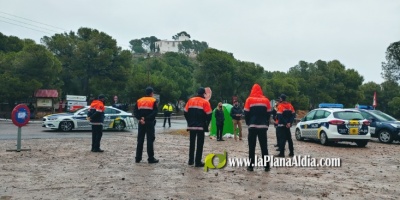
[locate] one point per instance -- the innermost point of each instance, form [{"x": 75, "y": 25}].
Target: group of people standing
[
  {"x": 198, "y": 114},
  {"x": 257, "y": 112},
  {"x": 236, "y": 113}
]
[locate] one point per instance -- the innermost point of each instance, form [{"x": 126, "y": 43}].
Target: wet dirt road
[{"x": 64, "y": 168}]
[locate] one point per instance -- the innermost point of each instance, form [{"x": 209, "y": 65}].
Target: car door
[
  {"x": 305, "y": 123},
  {"x": 315, "y": 126},
  {"x": 81, "y": 120},
  {"x": 110, "y": 115},
  {"x": 372, "y": 120}
]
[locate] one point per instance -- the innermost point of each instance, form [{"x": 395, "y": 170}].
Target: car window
[
  {"x": 326, "y": 114},
  {"x": 366, "y": 115},
  {"x": 319, "y": 114},
  {"x": 111, "y": 111},
  {"x": 82, "y": 111},
  {"x": 348, "y": 115},
  {"x": 382, "y": 116},
  {"x": 309, "y": 116}
]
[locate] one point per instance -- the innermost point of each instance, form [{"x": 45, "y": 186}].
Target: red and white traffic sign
[{"x": 20, "y": 115}]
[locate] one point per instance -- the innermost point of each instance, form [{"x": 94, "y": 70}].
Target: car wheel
[
  {"x": 298, "y": 135},
  {"x": 66, "y": 126},
  {"x": 385, "y": 136},
  {"x": 120, "y": 126},
  {"x": 324, "y": 138},
  {"x": 362, "y": 143}
]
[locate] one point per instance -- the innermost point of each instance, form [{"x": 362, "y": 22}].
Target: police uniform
[
  {"x": 198, "y": 115},
  {"x": 285, "y": 115},
  {"x": 145, "y": 112},
  {"x": 96, "y": 116},
  {"x": 257, "y": 110}
]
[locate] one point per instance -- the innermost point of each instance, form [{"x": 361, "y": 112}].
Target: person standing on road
[
  {"x": 96, "y": 118},
  {"x": 145, "y": 111},
  {"x": 167, "y": 108},
  {"x": 219, "y": 120},
  {"x": 236, "y": 114},
  {"x": 285, "y": 115},
  {"x": 198, "y": 115},
  {"x": 257, "y": 110},
  {"x": 274, "y": 117}
]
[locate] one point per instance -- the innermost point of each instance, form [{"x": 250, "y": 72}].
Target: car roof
[
  {"x": 107, "y": 107},
  {"x": 337, "y": 109}
]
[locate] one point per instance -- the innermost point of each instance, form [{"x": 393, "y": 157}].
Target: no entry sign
[{"x": 20, "y": 115}]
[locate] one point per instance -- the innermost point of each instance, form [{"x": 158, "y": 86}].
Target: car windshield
[
  {"x": 348, "y": 115},
  {"x": 79, "y": 110},
  {"x": 381, "y": 116}
]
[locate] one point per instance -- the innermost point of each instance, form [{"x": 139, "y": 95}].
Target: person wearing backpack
[{"x": 285, "y": 115}]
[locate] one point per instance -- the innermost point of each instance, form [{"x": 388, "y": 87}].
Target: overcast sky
[{"x": 275, "y": 34}]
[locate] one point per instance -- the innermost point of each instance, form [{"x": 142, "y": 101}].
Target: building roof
[{"x": 46, "y": 93}]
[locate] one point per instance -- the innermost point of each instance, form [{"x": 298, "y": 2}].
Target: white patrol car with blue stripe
[
  {"x": 113, "y": 119},
  {"x": 332, "y": 123}
]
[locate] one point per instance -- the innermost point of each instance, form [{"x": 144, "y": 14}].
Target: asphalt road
[{"x": 34, "y": 130}]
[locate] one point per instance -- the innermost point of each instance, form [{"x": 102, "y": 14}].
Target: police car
[
  {"x": 114, "y": 119},
  {"x": 383, "y": 126},
  {"x": 332, "y": 123}
]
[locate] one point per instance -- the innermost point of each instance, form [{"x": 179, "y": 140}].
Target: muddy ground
[{"x": 66, "y": 169}]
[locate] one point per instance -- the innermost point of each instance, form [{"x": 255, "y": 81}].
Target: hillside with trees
[{"x": 89, "y": 61}]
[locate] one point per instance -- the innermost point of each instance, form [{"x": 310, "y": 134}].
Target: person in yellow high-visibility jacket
[{"x": 167, "y": 108}]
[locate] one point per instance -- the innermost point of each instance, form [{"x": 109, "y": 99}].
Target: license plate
[
  {"x": 354, "y": 123},
  {"x": 353, "y": 131}
]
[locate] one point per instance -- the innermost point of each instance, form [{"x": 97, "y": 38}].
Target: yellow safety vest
[{"x": 167, "y": 107}]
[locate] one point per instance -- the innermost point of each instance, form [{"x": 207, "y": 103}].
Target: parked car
[
  {"x": 383, "y": 126},
  {"x": 114, "y": 119},
  {"x": 333, "y": 123}
]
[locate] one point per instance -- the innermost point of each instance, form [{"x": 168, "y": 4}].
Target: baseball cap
[
  {"x": 149, "y": 90},
  {"x": 101, "y": 96}
]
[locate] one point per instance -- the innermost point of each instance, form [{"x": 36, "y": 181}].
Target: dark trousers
[
  {"x": 220, "y": 130},
  {"x": 277, "y": 136},
  {"x": 284, "y": 135},
  {"x": 262, "y": 138},
  {"x": 145, "y": 130},
  {"x": 199, "y": 149},
  {"x": 167, "y": 116},
  {"x": 97, "y": 133}
]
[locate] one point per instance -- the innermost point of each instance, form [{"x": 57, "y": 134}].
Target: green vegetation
[{"x": 90, "y": 62}]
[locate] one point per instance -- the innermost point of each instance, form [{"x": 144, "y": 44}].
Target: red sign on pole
[{"x": 20, "y": 115}]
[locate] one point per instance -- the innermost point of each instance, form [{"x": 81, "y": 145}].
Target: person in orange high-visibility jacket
[
  {"x": 96, "y": 118},
  {"x": 145, "y": 111},
  {"x": 285, "y": 115},
  {"x": 198, "y": 115},
  {"x": 257, "y": 112}
]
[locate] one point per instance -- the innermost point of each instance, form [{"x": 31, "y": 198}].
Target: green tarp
[{"x": 228, "y": 124}]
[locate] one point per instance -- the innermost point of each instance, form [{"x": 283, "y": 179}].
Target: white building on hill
[{"x": 170, "y": 46}]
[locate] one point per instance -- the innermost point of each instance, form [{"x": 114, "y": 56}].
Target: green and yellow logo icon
[{"x": 209, "y": 161}]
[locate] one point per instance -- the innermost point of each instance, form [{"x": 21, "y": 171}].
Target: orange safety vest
[{"x": 285, "y": 109}]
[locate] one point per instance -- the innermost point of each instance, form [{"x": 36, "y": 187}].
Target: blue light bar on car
[
  {"x": 331, "y": 105},
  {"x": 365, "y": 107}
]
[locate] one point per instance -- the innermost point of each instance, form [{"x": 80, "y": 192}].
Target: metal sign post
[{"x": 20, "y": 117}]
